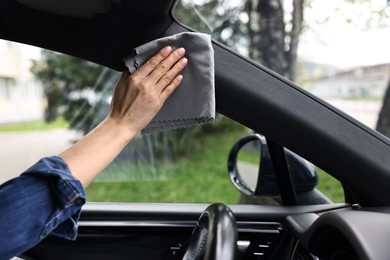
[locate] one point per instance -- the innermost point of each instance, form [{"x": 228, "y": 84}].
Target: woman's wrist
[
  {"x": 91, "y": 154},
  {"x": 119, "y": 129}
]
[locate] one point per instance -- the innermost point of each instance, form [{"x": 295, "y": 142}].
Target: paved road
[
  {"x": 19, "y": 150},
  {"x": 249, "y": 173}
]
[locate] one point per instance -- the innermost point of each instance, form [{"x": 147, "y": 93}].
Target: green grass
[
  {"x": 331, "y": 187},
  {"x": 199, "y": 177},
  {"x": 39, "y": 125},
  {"x": 249, "y": 157}
]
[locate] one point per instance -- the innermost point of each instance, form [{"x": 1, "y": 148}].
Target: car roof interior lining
[
  {"x": 105, "y": 39},
  {"x": 85, "y": 9}
]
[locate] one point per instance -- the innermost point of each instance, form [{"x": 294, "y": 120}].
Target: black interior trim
[
  {"x": 100, "y": 211},
  {"x": 333, "y": 234},
  {"x": 282, "y": 174}
]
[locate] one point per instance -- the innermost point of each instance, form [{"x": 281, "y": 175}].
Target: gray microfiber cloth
[{"x": 193, "y": 102}]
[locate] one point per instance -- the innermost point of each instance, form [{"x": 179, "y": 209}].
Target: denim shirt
[{"x": 45, "y": 199}]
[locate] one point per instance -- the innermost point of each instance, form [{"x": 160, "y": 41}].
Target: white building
[
  {"x": 367, "y": 81},
  {"x": 21, "y": 97}
]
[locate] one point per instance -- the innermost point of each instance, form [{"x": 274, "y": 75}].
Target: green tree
[
  {"x": 273, "y": 44},
  {"x": 72, "y": 86},
  {"x": 269, "y": 35}
]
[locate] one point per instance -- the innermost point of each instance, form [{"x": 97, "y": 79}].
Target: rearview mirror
[{"x": 251, "y": 171}]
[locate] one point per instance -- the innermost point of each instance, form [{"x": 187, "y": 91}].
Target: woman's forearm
[{"x": 89, "y": 156}]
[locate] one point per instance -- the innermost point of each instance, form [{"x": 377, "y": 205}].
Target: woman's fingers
[
  {"x": 166, "y": 65},
  {"x": 160, "y": 74},
  {"x": 152, "y": 63},
  {"x": 162, "y": 68},
  {"x": 124, "y": 75},
  {"x": 167, "y": 78},
  {"x": 167, "y": 91}
]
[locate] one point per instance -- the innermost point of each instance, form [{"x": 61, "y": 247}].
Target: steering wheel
[{"x": 215, "y": 235}]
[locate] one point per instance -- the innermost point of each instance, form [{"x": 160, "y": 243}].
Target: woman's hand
[
  {"x": 137, "y": 99},
  {"x": 139, "y": 96}
]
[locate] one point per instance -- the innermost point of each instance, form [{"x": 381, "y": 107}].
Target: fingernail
[
  {"x": 181, "y": 51},
  {"x": 179, "y": 77},
  {"x": 183, "y": 61},
  {"x": 167, "y": 49}
]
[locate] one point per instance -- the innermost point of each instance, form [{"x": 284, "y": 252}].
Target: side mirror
[{"x": 251, "y": 171}]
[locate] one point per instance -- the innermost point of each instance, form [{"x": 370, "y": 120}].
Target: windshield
[
  {"x": 336, "y": 50},
  {"x": 50, "y": 100}
]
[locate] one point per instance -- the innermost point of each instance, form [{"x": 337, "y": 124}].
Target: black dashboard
[
  {"x": 349, "y": 233},
  {"x": 162, "y": 231}
]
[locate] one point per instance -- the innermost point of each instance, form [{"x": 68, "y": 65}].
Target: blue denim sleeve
[{"x": 45, "y": 199}]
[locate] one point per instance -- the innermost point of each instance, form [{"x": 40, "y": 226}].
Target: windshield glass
[
  {"x": 336, "y": 50},
  {"x": 50, "y": 100}
]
